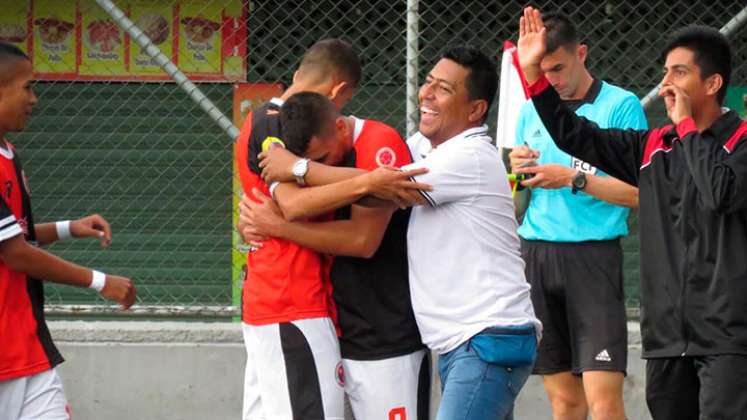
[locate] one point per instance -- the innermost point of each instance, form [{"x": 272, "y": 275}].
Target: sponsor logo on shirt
[{"x": 582, "y": 166}]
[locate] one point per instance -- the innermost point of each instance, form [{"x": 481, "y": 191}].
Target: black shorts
[
  {"x": 701, "y": 387},
  {"x": 577, "y": 292}
]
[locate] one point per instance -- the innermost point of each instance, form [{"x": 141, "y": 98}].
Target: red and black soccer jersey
[
  {"x": 26, "y": 347},
  {"x": 373, "y": 295},
  {"x": 284, "y": 281}
]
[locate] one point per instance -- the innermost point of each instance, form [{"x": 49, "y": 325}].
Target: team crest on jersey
[
  {"x": 386, "y": 156},
  {"x": 340, "y": 374}
]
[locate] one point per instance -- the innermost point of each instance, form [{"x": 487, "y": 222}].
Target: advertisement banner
[
  {"x": 54, "y": 38},
  {"x": 77, "y": 40}
]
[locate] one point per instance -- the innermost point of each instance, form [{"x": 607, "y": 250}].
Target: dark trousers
[{"x": 697, "y": 388}]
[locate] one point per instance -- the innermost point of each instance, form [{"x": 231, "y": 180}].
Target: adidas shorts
[
  {"x": 577, "y": 292},
  {"x": 35, "y": 397},
  {"x": 397, "y": 388},
  {"x": 293, "y": 371}
]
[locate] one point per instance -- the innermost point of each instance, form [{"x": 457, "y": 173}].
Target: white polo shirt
[{"x": 466, "y": 270}]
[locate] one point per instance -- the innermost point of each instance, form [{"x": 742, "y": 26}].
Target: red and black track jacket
[{"x": 692, "y": 220}]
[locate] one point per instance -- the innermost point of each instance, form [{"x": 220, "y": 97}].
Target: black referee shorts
[
  {"x": 577, "y": 292},
  {"x": 697, "y": 388}
]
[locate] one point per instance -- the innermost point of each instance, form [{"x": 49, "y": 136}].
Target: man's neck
[
  {"x": 438, "y": 142},
  {"x": 583, "y": 87},
  {"x": 302, "y": 87},
  {"x": 350, "y": 121},
  {"x": 707, "y": 116}
]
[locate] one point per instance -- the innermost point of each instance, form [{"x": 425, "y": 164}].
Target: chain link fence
[{"x": 113, "y": 134}]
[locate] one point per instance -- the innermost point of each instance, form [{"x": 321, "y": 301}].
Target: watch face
[
  {"x": 579, "y": 180},
  {"x": 300, "y": 167}
]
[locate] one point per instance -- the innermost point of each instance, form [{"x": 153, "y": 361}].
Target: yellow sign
[
  {"x": 201, "y": 38},
  {"x": 103, "y": 42},
  {"x": 155, "y": 19},
  {"x": 13, "y": 27},
  {"x": 54, "y": 35}
]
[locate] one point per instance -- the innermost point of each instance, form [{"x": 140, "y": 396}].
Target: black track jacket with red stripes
[{"x": 692, "y": 222}]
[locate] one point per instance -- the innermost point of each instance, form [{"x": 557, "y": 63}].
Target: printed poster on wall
[
  {"x": 77, "y": 40},
  {"x": 13, "y": 23},
  {"x": 103, "y": 42},
  {"x": 156, "y": 20},
  {"x": 201, "y": 35},
  {"x": 54, "y": 38}
]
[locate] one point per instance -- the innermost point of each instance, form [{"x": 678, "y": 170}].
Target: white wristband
[
  {"x": 63, "y": 230},
  {"x": 98, "y": 280}
]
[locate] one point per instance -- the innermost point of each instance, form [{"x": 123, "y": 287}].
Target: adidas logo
[
  {"x": 603, "y": 356},
  {"x": 537, "y": 133}
]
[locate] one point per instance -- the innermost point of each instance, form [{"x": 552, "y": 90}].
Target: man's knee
[
  {"x": 566, "y": 394},
  {"x": 604, "y": 393},
  {"x": 607, "y": 409}
]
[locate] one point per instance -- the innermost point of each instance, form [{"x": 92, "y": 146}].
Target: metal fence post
[
  {"x": 413, "y": 56},
  {"x": 180, "y": 78}
]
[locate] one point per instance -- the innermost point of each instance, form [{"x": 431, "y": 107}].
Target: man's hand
[
  {"x": 388, "y": 183},
  {"x": 550, "y": 176},
  {"x": 520, "y": 155},
  {"x": 277, "y": 165},
  {"x": 532, "y": 43},
  {"x": 119, "y": 289},
  {"x": 93, "y": 226},
  {"x": 259, "y": 220},
  {"x": 677, "y": 103}
]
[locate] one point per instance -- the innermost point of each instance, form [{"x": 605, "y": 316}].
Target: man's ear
[
  {"x": 582, "y": 51},
  {"x": 478, "y": 110},
  {"x": 338, "y": 89},
  {"x": 713, "y": 84},
  {"x": 295, "y": 76}
]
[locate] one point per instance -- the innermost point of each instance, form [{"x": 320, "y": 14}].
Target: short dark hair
[
  {"x": 333, "y": 55},
  {"x": 560, "y": 32},
  {"x": 482, "y": 80},
  {"x": 9, "y": 54},
  {"x": 303, "y": 116},
  {"x": 711, "y": 49}
]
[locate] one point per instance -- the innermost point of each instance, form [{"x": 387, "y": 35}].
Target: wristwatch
[
  {"x": 578, "y": 182},
  {"x": 299, "y": 171}
]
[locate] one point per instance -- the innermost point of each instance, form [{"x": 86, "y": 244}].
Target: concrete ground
[{"x": 182, "y": 370}]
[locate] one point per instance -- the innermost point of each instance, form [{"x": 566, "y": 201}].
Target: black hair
[
  {"x": 482, "y": 80},
  {"x": 560, "y": 32},
  {"x": 303, "y": 116},
  {"x": 9, "y": 54},
  {"x": 333, "y": 55},
  {"x": 711, "y": 50}
]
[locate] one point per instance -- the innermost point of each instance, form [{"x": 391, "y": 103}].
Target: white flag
[{"x": 513, "y": 94}]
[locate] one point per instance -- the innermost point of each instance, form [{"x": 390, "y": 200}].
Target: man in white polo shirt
[{"x": 469, "y": 293}]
